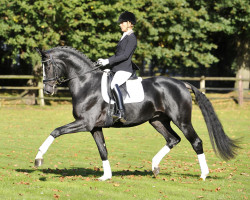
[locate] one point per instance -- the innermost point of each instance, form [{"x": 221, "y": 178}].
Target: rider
[{"x": 121, "y": 63}]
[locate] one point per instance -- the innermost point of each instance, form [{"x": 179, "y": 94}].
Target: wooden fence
[{"x": 202, "y": 80}]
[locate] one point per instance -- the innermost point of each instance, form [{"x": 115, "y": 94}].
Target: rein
[{"x": 60, "y": 80}]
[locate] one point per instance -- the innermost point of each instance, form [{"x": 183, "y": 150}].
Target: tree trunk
[
  {"x": 243, "y": 62},
  {"x": 245, "y": 74}
]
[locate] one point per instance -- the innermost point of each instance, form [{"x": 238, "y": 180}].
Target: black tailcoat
[{"x": 122, "y": 60}]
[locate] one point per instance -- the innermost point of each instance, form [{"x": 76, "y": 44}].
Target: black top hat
[{"x": 127, "y": 16}]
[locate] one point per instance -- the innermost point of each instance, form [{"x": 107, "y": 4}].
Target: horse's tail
[{"x": 221, "y": 143}]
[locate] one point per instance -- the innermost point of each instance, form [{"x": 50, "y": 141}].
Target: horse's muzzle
[{"x": 49, "y": 89}]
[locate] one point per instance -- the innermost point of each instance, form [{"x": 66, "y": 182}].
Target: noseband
[{"x": 58, "y": 80}]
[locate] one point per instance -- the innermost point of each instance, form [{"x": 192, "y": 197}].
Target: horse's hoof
[
  {"x": 38, "y": 162},
  {"x": 103, "y": 178},
  {"x": 203, "y": 176},
  {"x": 156, "y": 171}
]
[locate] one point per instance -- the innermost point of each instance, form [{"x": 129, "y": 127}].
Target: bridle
[{"x": 59, "y": 80}]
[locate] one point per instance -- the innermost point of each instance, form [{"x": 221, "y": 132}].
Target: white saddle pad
[{"x": 134, "y": 89}]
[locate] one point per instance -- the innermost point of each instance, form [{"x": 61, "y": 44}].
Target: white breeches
[{"x": 120, "y": 77}]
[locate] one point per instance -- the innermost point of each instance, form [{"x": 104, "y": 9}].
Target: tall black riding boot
[{"x": 120, "y": 115}]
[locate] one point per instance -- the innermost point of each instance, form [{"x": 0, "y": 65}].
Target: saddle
[
  {"x": 132, "y": 90},
  {"x": 122, "y": 87}
]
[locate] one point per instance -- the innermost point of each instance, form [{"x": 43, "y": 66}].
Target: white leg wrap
[
  {"x": 203, "y": 166},
  {"x": 107, "y": 171},
  {"x": 44, "y": 147},
  {"x": 39, "y": 155},
  {"x": 158, "y": 157}
]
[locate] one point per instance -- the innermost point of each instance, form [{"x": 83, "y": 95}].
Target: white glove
[{"x": 103, "y": 62}]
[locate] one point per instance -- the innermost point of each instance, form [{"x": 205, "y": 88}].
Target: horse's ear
[{"x": 42, "y": 54}]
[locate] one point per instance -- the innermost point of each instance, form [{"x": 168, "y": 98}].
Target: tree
[
  {"x": 174, "y": 34},
  {"x": 26, "y": 24},
  {"x": 177, "y": 34},
  {"x": 235, "y": 16}
]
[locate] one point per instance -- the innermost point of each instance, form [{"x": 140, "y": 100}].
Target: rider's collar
[{"x": 126, "y": 33}]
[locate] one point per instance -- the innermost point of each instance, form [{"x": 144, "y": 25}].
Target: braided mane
[{"x": 76, "y": 51}]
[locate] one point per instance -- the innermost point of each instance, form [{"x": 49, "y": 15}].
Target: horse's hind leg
[
  {"x": 100, "y": 142},
  {"x": 171, "y": 137},
  {"x": 196, "y": 143}
]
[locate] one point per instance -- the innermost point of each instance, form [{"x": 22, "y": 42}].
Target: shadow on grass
[
  {"x": 85, "y": 172},
  {"x": 97, "y": 173}
]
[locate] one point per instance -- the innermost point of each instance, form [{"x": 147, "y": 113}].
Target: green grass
[{"x": 72, "y": 163}]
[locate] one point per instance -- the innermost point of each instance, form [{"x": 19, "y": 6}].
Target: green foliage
[
  {"x": 176, "y": 32},
  {"x": 234, "y": 15}
]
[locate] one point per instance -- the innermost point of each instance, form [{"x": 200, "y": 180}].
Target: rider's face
[{"x": 125, "y": 26}]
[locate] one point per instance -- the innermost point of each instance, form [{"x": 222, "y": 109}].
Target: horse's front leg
[
  {"x": 100, "y": 142},
  {"x": 73, "y": 127}
]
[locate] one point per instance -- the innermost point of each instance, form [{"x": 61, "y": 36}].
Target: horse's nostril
[{"x": 46, "y": 91}]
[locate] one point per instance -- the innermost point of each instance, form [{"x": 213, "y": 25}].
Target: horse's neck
[
  {"x": 85, "y": 84},
  {"x": 76, "y": 67},
  {"x": 77, "y": 71}
]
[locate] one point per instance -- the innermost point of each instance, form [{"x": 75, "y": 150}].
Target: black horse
[{"x": 166, "y": 100}]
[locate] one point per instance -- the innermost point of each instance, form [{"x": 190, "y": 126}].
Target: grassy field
[{"x": 72, "y": 164}]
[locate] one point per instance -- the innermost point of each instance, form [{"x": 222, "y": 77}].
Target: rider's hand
[{"x": 103, "y": 62}]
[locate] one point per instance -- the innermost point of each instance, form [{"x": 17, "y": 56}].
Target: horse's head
[
  {"x": 61, "y": 64},
  {"x": 51, "y": 72}
]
